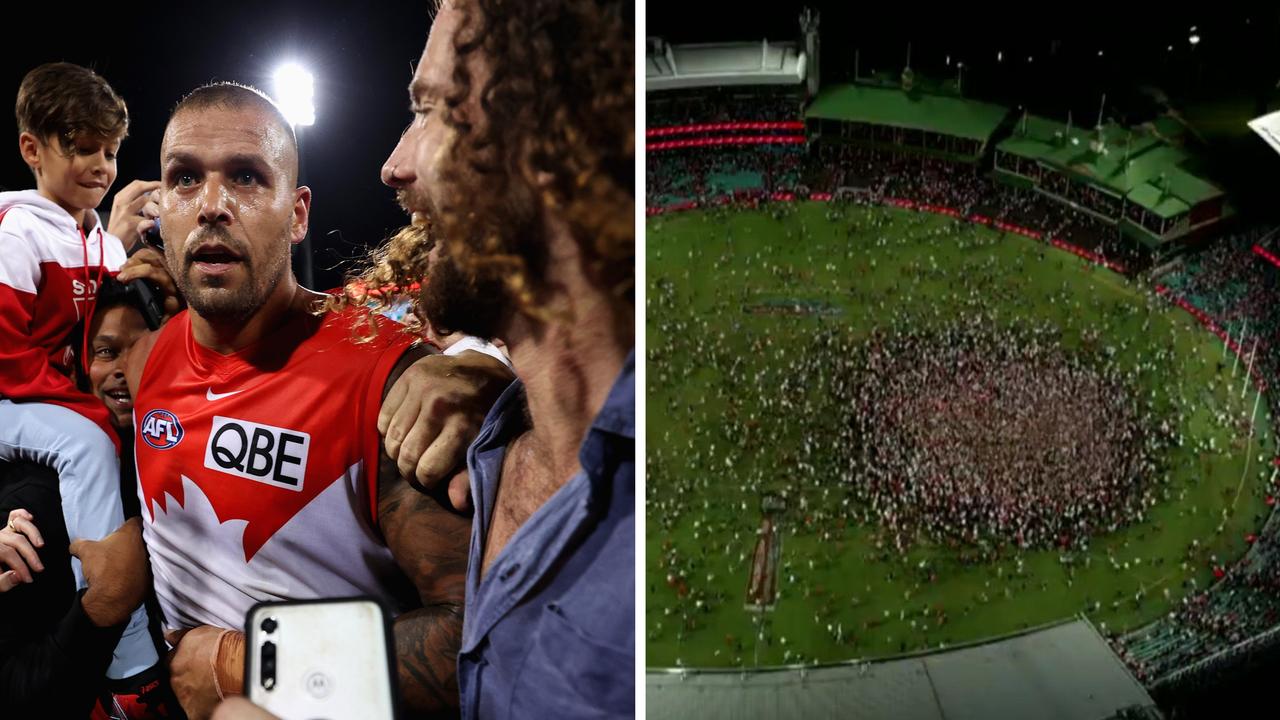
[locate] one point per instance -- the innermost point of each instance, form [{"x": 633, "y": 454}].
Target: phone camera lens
[
  {"x": 267, "y": 675},
  {"x": 269, "y": 625}
]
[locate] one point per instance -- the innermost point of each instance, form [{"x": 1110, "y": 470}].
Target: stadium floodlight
[
  {"x": 1170, "y": 48},
  {"x": 1000, "y": 56},
  {"x": 1194, "y": 39},
  {"x": 295, "y": 93},
  {"x": 1099, "y": 53}
]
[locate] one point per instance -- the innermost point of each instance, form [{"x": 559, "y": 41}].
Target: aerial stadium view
[{"x": 959, "y": 344}]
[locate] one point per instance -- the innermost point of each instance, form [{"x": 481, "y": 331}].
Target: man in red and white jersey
[{"x": 261, "y": 472}]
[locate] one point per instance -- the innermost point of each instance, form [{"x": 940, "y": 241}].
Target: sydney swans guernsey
[{"x": 257, "y": 470}]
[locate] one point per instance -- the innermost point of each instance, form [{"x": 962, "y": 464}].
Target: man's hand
[
  {"x": 434, "y": 411},
  {"x": 201, "y": 662},
  {"x": 19, "y": 539},
  {"x": 117, "y": 572},
  {"x": 149, "y": 264},
  {"x": 127, "y": 211}
]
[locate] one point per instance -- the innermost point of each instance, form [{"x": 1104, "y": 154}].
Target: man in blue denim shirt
[
  {"x": 518, "y": 169},
  {"x": 548, "y": 629}
]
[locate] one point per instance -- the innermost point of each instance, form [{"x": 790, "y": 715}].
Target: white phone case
[{"x": 332, "y": 660}]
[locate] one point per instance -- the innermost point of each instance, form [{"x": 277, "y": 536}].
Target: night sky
[
  {"x": 1237, "y": 45},
  {"x": 360, "y": 54}
]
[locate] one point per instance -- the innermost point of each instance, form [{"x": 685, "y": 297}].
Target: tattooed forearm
[
  {"x": 427, "y": 642},
  {"x": 429, "y": 540},
  {"x": 429, "y": 543}
]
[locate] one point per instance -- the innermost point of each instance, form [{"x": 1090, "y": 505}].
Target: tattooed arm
[{"x": 429, "y": 542}]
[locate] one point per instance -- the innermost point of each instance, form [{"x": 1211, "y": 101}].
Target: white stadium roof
[
  {"x": 668, "y": 67},
  {"x": 1063, "y": 672}
]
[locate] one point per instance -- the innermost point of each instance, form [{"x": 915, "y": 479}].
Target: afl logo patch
[{"x": 161, "y": 429}]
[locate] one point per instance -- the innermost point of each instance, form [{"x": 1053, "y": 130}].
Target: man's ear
[{"x": 301, "y": 214}]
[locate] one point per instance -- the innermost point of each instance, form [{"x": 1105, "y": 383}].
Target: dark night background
[
  {"x": 152, "y": 54},
  {"x": 1228, "y": 78}
]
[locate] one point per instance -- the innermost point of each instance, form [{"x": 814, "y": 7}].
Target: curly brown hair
[
  {"x": 64, "y": 101},
  {"x": 559, "y": 135}
]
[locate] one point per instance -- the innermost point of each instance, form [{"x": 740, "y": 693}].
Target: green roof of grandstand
[
  {"x": 1032, "y": 137},
  {"x": 1139, "y": 164},
  {"x": 1150, "y": 197},
  {"x": 916, "y": 110}
]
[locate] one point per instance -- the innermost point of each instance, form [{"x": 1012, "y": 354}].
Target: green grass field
[{"x": 705, "y": 481}]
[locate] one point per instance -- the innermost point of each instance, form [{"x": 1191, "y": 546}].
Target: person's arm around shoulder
[{"x": 432, "y": 412}]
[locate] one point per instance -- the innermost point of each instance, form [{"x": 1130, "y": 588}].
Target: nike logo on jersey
[{"x": 210, "y": 395}]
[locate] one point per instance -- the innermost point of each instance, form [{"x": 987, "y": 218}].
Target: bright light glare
[{"x": 295, "y": 94}]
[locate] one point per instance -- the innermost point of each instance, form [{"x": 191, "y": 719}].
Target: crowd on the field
[
  {"x": 979, "y": 433},
  {"x": 937, "y": 431}
]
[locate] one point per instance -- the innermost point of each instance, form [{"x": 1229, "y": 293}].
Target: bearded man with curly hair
[{"x": 518, "y": 171}]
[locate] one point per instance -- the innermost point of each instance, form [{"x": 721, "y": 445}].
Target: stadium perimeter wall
[{"x": 1065, "y": 670}]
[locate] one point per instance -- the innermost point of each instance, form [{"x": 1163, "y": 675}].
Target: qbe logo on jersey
[
  {"x": 161, "y": 430},
  {"x": 268, "y": 454}
]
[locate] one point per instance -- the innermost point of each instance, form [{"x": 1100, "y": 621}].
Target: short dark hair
[
  {"x": 236, "y": 96},
  {"x": 67, "y": 101},
  {"x": 111, "y": 293}
]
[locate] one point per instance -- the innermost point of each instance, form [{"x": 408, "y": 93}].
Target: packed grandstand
[{"x": 862, "y": 299}]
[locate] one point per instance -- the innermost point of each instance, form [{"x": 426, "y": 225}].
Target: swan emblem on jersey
[{"x": 161, "y": 430}]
